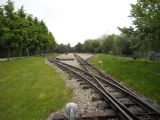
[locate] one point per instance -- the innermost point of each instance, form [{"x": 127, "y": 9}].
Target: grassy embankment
[
  {"x": 141, "y": 75},
  {"x": 30, "y": 89}
]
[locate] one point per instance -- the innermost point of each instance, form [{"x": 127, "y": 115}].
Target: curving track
[{"x": 122, "y": 103}]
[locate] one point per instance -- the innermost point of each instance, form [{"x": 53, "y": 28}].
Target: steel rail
[
  {"x": 100, "y": 72},
  {"x": 105, "y": 95},
  {"x": 139, "y": 102},
  {"x": 107, "y": 92},
  {"x": 133, "y": 97}
]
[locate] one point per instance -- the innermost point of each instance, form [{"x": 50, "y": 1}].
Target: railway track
[
  {"x": 90, "y": 68},
  {"x": 122, "y": 104}
]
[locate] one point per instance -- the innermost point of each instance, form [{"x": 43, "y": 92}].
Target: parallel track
[
  {"x": 116, "y": 111},
  {"x": 124, "y": 104},
  {"x": 90, "y": 68},
  {"x": 147, "y": 111}
]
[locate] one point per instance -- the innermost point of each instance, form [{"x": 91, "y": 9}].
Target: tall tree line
[
  {"x": 109, "y": 44},
  {"x": 21, "y": 33}
]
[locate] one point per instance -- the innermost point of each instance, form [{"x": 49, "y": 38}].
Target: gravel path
[
  {"x": 6, "y": 59},
  {"x": 85, "y": 55},
  {"x": 70, "y": 56}
]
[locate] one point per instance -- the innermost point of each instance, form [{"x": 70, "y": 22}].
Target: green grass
[
  {"x": 30, "y": 89},
  {"x": 141, "y": 75}
]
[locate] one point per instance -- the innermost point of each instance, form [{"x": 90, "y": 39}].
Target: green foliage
[
  {"x": 146, "y": 14},
  {"x": 121, "y": 46},
  {"x": 140, "y": 75},
  {"x": 78, "y": 48},
  {"x": 21, "y": 32},
  {"x": 30, "y": 90},
  {"x": 107, "y": 43},
  {"x": 63, "y": 48},
  {"x": 92, "y": 46},
  {"x": 111, "y": 44}
]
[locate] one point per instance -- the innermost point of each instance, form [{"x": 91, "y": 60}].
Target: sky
[{"x": 73, "y": 21}]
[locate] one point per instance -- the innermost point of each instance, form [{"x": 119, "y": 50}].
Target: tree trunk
[
  {"x": 8, "y": 53},
  {"x": 20, "y": 52},
  {"x": 151, "y": 55},
  {"x": 36, "y": 52},
  {"x": 27, "y": 51}
]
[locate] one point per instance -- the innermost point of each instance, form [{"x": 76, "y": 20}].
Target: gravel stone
[{"x": 82, "y": 97}]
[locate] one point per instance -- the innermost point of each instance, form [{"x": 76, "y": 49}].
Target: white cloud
[{"x": 73, "y": 21}]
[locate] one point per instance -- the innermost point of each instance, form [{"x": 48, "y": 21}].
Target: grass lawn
[
  {"x": 141, "y": 75},
  {"x": 30, "y": 89}
]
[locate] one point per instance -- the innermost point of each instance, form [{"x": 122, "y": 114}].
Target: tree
[
  {"x": 2, "y": 27},
  {"x": 30, "y": 43},
  {"x": 51, "y": 41},
  {"x": 61, "y": 48},
  {"x": 87, "y": 46},
  {"x": 9, "y": 25},
  {"x": 121, "y": 46},
  {"x": 92, "y": 46},
  {"x": 130, "y": 36},
  {"x": 146, "y": 14},
  {"x": 21, "y": 31},
  {"x": 107, "y": 43},
  {"x": 78, "y": 47}
]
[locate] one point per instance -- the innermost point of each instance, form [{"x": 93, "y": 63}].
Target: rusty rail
[{"x": 147, "y": 110}]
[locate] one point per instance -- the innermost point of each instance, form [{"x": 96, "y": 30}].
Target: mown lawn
[
  {"x": 30, "y": 89},
  {"x": 141, "y": 75}
]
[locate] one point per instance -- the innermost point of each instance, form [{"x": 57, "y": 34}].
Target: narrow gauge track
[
  {"x": 114, "y": 110},
  {"x": 118, "y": 101},
  {"x": 92, "y": 69},
  {"x": 138, "y": 107}
]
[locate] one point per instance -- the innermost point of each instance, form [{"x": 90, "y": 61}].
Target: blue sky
[{"x": 73, "y": 21}]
